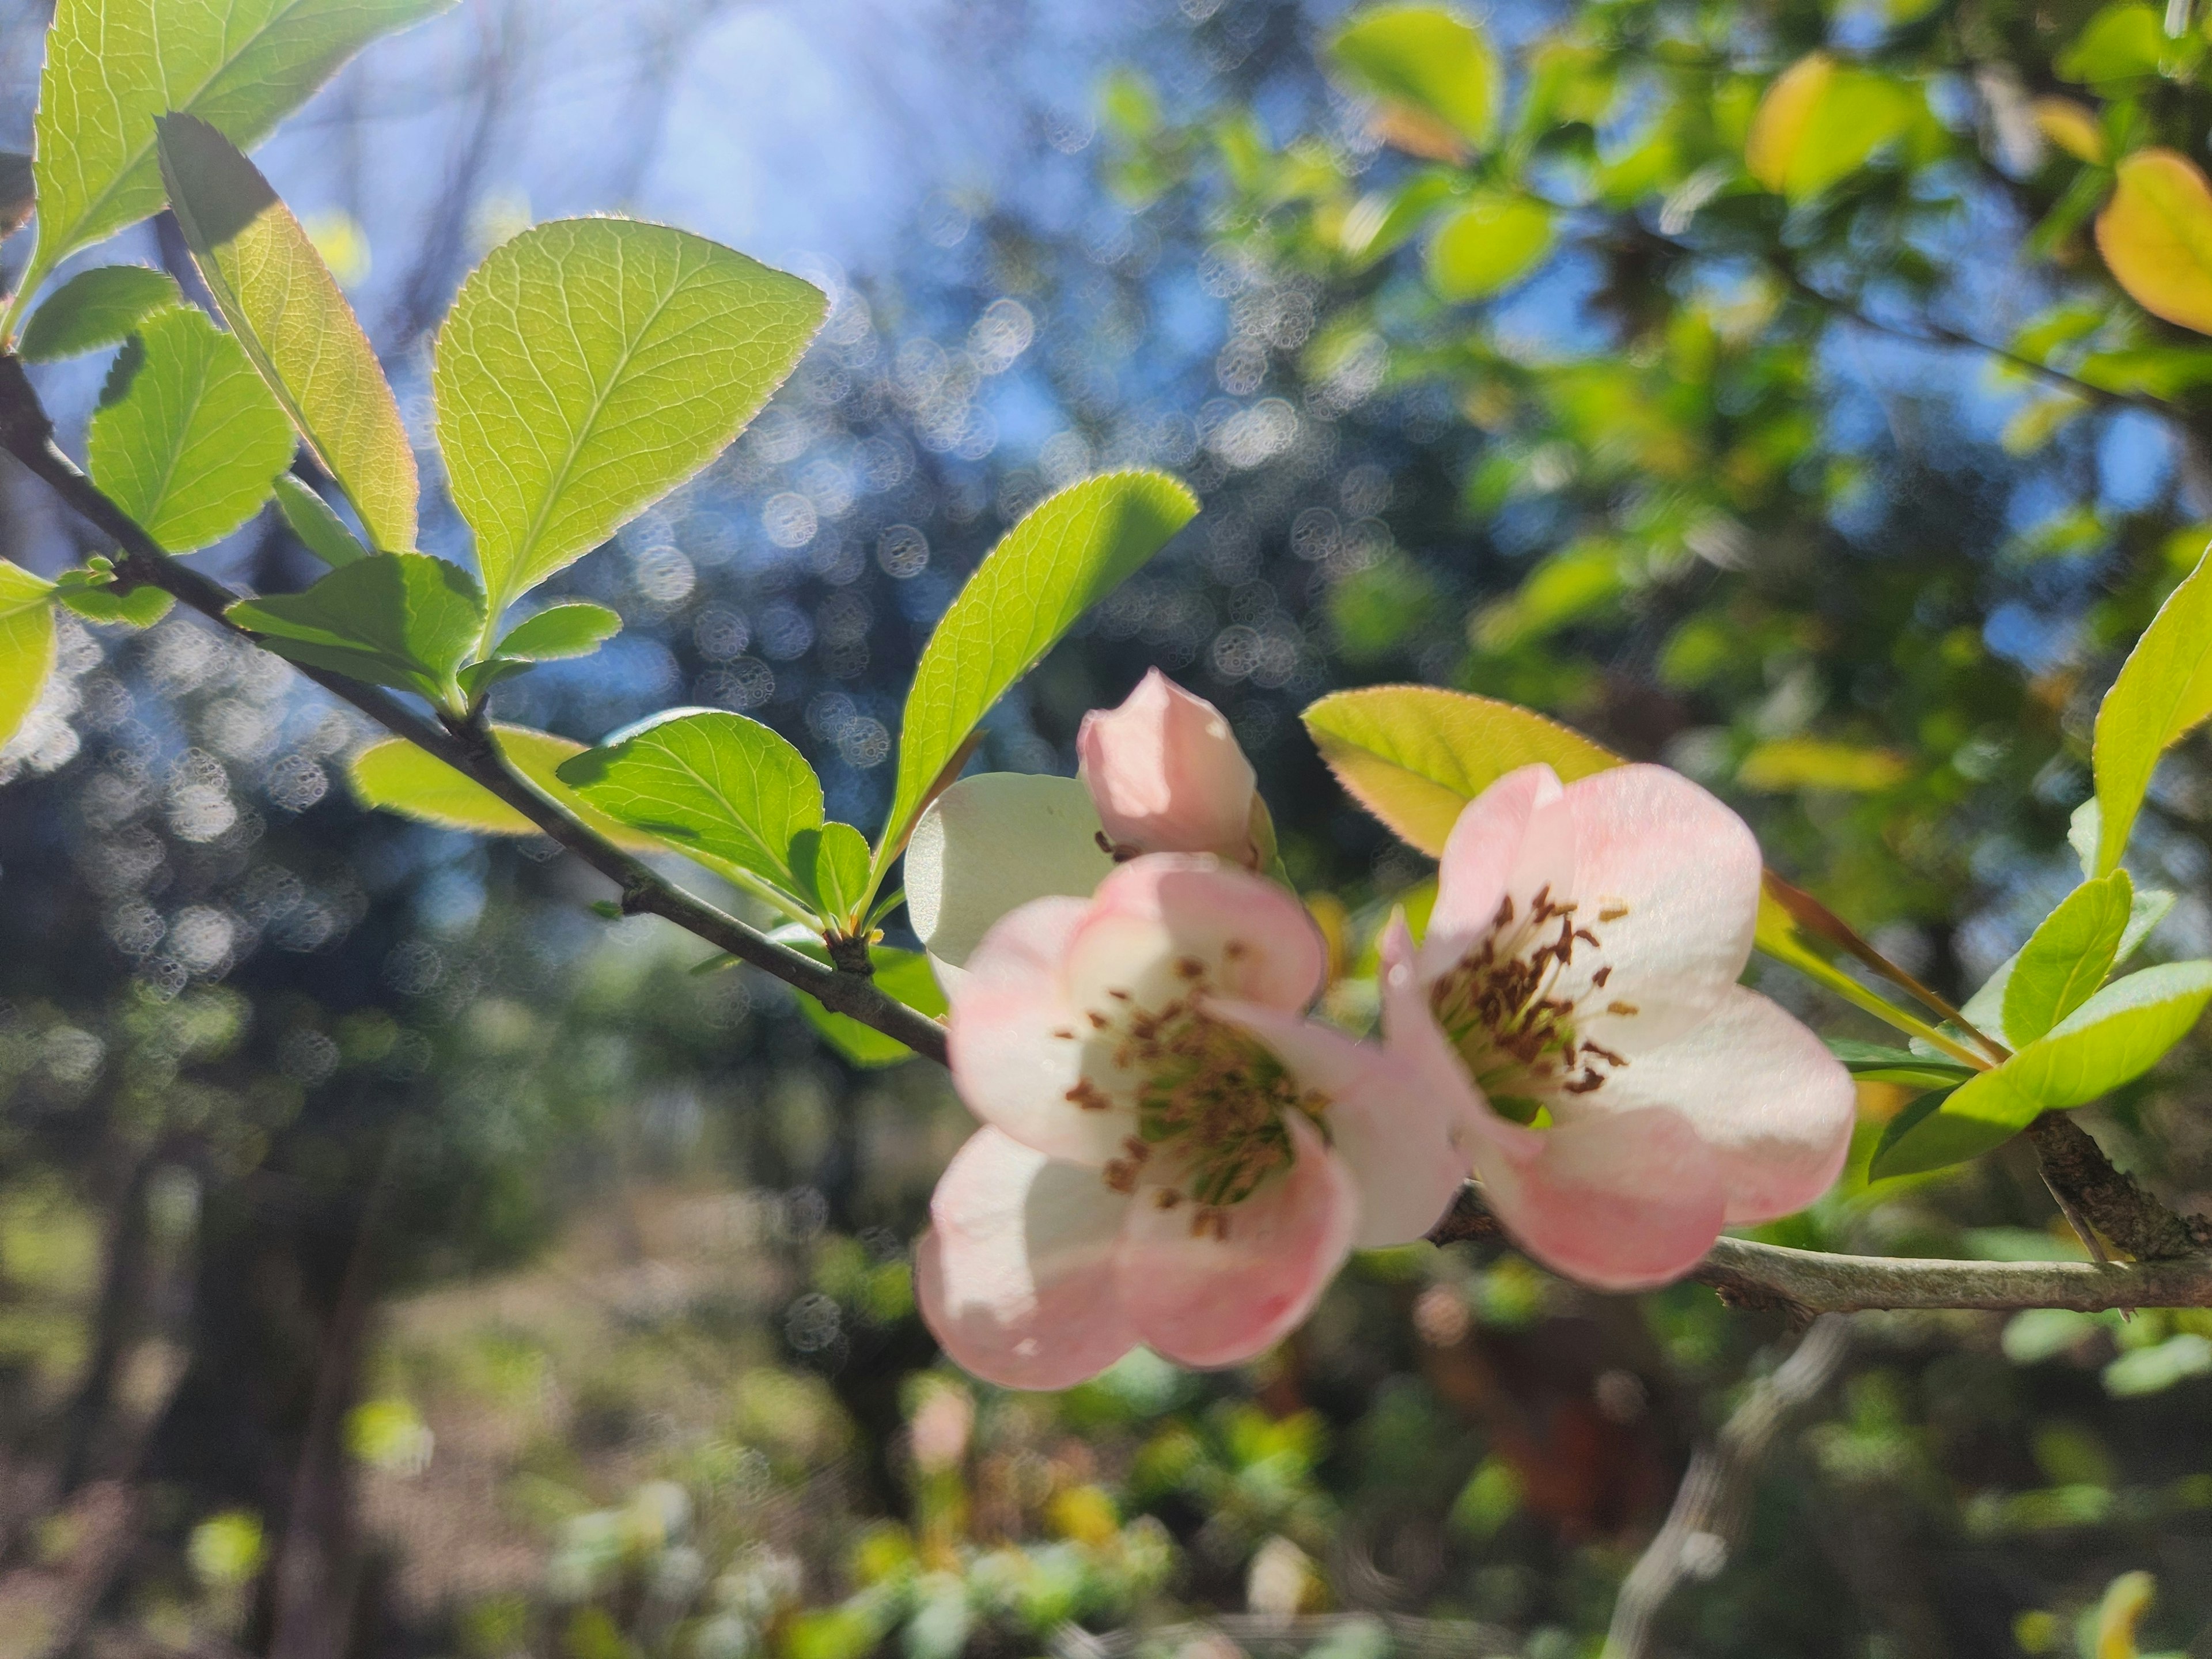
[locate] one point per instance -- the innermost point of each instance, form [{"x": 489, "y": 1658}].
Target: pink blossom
[
  {"x": 1167, "y": 773},
  {"x": 1580, "y": 970},
  {"x": 1172, "y": 1153}
]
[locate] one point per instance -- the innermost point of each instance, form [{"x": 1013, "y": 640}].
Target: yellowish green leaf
[
  {"x": 397, "y": 776},
  {"x": 2156, "y": 236},
  {"x": 2163, "y": 692}
]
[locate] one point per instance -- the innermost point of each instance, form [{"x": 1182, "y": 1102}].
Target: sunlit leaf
[
  {"x": 285, "y": 308},
  {"x": 2072, "y": 127},
  {"x": 187, "y": 440},
  {"x": 2114, "y": 1038},
  {"x": 113, "y": 65},
  {"x": 320, "y": 531},
  {"x": 831, "y": 865},
  {"x": 1875, "y": 1062},
  {"x": 709, "y": 781},
  {"x": 1067, "y": 553},
  {"x": 1820, "y": 122},
  {"x": 96, "y": 309},
  {"x": 2125, "y": 41},
  {"x": 1488, "y": 245},
  {"x": 903, "y": 975},
  {"x": 91, "y": 593},
  {"x": 398, "y": 619},
  {"x": 589, "y": 367},
  {"x": 1415, "y": 755},
  {"x": 397, "y": 776},
  {"x": 557, "y": 633},
  {"x": 2156, "y": 236},
  {"x": 2163, "y": 692},
  {"x": 1428, "y": 61},
  {"x": 1781, "y": 765},
  {"x": 27, "y": 644},
  {"x": 2067, "y": 958}
]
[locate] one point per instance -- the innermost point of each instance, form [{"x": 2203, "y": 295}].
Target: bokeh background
[{"x": 398, "y": 1258}]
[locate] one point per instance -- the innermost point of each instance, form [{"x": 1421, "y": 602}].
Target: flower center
[
  {"x": 1509, "y": 1006},
  {"x": 1207, "y": 1091}
]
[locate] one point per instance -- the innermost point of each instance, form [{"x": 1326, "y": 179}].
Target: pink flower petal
[
  {"x": 1020, "y": 1050},
  {"x": 1411, "y": 1032},
  {"x": 1206, "y": 1300},
  {"x": 1514, "y": 840},
  {"x": 1682, "y": 873},
  {"x": 1624, "y": 1202},
  {"x": 1774, "y": 1106},
  {"x": 1167, "y": 773},
  {"x": 1016, "y": 1278},
  {"x": 1156, "y": 916},
  {"x": 1392, "y": 1130}
]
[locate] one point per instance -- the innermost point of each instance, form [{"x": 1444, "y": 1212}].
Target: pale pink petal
[
  {"x": 1209, "y": 1300},
  {"x": 1666, "y": 877},
  {"x": 1156, "y": 917},
  {"x": 1514, "y": 840},
  {"x": 1167, "y": 774},
  {"x": 1016, "y": 1276},
  {"x": 1392, "y": 1127},
  {"x": 1764, "y": 1093},
  {"x": 1410, "y": 1031},
  {"x": 1020, "y": 1050},
  {"x": 1624, "y": 1203}
]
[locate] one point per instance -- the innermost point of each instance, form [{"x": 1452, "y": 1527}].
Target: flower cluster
[{"x": 1174, "y": 1153}]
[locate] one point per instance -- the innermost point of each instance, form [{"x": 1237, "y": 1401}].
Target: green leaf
[
  {"x": 92, "y": 594},
  {"x": 320, "y": 529},
  {"x": 1067, "y": 553},
  {"x": 27, "y": 644},
  {"x": 902, "y": 975},
  {"x": 398, "y": 777},
  {"x": 186, "y": 438},
  {"x": 1427, "y": 59},
  {"x": 1796, "y": 930},
  {"x": 1819, "y": 121},
  {"x": 2067, "y": 958},
  {"x": 1488, "y": 245},
  {"x": 2148, "y": 909},
  {"x": 589, "y": 367},
  {"x": 2163, "y": 691},
  {"x": 831, "y": 865},
  {"x": 1414, "y": 755},
  {"x": 559, "y": 631},
  {"x": 2123, "y": 41},
  {"x": 1875, "y": 1062},
  {"x": 398, "y": 619},
  {"x": 113, "y": 65},
  {"x": 96, "y": 309},
  {"x": 709, "y": 782},
  {"x": 2114, "y": 1038},
  {"x": 285, "y": 309}
]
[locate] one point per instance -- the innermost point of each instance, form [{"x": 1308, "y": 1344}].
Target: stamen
[{"x": 1621, "y": 1008}]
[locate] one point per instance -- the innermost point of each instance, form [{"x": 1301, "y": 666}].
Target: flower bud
[{"x": 1167, "y": 774}]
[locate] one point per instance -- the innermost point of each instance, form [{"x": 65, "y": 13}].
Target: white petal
[
  {"x": 991, "y": 843},
  {"x": 1677, "y": 874},
  {"x": 1776, "y": 1107},
  {"x": 1160, "y": 919},
  {"x": 1016, "y": 1278}
]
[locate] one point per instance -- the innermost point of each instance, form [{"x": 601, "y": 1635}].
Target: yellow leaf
[
  {"x": 2071, "y": 126},
  {"x": 2156, "y": 236},
  {"x": 398, "y": 777},
  {"x": 1783, "y": 115},
  {"x": 1790, "y": 763}
]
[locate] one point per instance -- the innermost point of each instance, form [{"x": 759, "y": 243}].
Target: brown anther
[
  {"x": 1189, "y": 968},
  {"x": 1089, "y": 1096},
  {"x": 1585, "y": 935},
  {"x": 1120, "y": 1176},
  {"x": 1137, "y": 1150},
  {"x": 1065, "y": 1035},
  {"x": 1605, "y": 1055},
  {"x": 1582, "y": 1085},
  {"x": 1599, "y": 978},
  {"x": 1611, "y": 909},
  {"x": 1236, "y": 950},
  {"x": 1166, "y": 1199},
  {"x": 1098, "y": 1021},
  {"x": 1504, "y": 912},
  {"x": 1119, "y": 996},
  {"x": 1623, "y": 1008}
]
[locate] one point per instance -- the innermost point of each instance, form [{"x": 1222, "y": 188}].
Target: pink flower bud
[{"x": 1167, "y": 774}]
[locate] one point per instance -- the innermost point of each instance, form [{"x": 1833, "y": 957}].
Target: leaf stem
[{"x": 27, "y": 433}]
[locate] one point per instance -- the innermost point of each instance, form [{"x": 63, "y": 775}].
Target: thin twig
[
  {"x": 1706, "y": 1522},
  {"x": 27, "y": 433}
]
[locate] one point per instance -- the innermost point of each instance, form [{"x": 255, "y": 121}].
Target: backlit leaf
[
  {"x": 320, "y": 531},
  {"x": 904, "y": 976},
  {"x": 2067, "y": 958},
  {"x": 2073, "y": 128},
  {"x": 27, "y": 644},
  {"x": 397, "y": 776},
  {"x": 186, "y": 438},
  {"x": 554, "y": 634},
  {"x": 1781, "y": 765},
  {"x": 1488, "y": 245},
  {"x": 2156, "y": 236},
  {"x": 398, "y": 619},
  {"x": 1414, "y": 755},
  {"x": 113, "y": 65},
  {"x": 1820, "y": 122},
  {"x": 1067, "y": 553},
  {"x": 1428, "y": 60},
  {"x": 96, "y": 309},
  {"x": 2164, "y": 691},
  {"x": 709, "y": 782},
  {"x": 2123, "y": 41},
  {"x": 285, "y": 309},
  {"x": 589, "y": 367},
  {"x": 831, "y": 864}
]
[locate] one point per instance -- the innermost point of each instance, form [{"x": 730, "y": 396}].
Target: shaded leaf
[
  {"x": 2163, "y": 691},
  {"x": 96, "y": 309},
  {"x": 709, "y": 782},
  {"x": 1428, "y": 61},
  {"x": 320, "y": 529},
  {"x": 589, "y": 367},
  {"x": 902, "y": 975},
  {"x": 1067, "y": 553},
  {"x": 92, "y": 594},
  {"x": 18, "y": 194},
  {"x": 398, "y": 777},
  {"x": 285, "y": 309},
  {"x": 2156, "y": 236},
  {"x": 187, "y": 440},
  {"x": 1875, "y": 1062},
  {"x": 27, "y": 644},
  {"x": 113, "y": 65},
  {"x": 398, "y": 619},
  {"x": 554, "y": 634},
  {"x": 1488, "y": 245}
]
